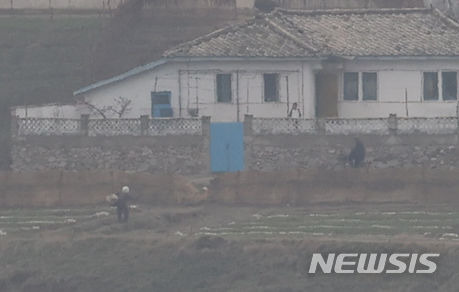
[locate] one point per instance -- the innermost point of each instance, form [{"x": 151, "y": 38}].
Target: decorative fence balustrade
[
  {"x": 257, "y": 126},
  {"x": 355, "y": 126},
  {"x": 106, "y": 127},
  {"x": 47, "y": 127},
  {"x": 114, "y": 127},
  {"x": 174, "y": 127},
  {"x": 272, "y": 126},
  {"x": 427, "y": 125},
  {"x": 377, "y": 126}
]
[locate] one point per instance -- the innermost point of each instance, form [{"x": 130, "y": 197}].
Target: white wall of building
[
  {"x": 47, "y": 111},
  {"x": 193, "y": 86},
  {"x": 395, "y": 80}
]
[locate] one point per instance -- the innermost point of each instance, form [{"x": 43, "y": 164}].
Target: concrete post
[
  {"x": 144, "y": 124},
  {"x": 393, "y": 124},
  {"x": 205, "y": 125},
  {"x": 248, "y": 125},
  {"x": 14, "y": 126},
  {"x": 84, "y": 125},
  {"x": 320, "y": 126}
]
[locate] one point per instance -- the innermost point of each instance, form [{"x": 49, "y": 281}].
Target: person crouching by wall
[
  {"x": 357, "y": 155},
  {"x": 121, "y": 204}
]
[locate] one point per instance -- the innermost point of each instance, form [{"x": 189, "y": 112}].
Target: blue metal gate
[{"x": 227, "y": 147}]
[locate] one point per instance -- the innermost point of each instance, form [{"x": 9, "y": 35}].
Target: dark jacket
[{"x": 123, "y": 200}]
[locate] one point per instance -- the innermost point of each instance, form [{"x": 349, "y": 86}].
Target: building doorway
[{"x": 326, "y": 95}]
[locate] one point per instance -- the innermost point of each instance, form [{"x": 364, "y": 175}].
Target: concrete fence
[
  {"x": 144, "y": 126},
  {"x": 375, "y": 126},
  {"x": 287, "y": 161}
]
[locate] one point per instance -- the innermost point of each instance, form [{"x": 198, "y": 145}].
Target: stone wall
[
  {"x": 190, "y": 154},
  {"x": 185, "y": 154},
  {"x": 280, "y": 169},
  {"x": 284, "y": 152}
]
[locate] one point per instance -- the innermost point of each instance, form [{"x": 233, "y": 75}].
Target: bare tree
[
  {"x": 102, "y": 111},
  {"x": 122, "y": 106}
]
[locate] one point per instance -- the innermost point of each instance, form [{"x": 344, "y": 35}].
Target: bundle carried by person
[{"x": 111, "y": 199}]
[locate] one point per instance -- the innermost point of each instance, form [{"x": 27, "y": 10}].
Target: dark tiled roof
[
  {"x": 293, "y": 33},
  {"x": 255, "y": 39}
]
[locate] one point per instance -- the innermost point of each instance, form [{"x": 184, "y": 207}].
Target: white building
[{"x": 332, "y": 63}]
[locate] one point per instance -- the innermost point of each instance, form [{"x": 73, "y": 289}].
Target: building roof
[
  {"x": 126, "y": 75},
  {"x": 413, "y": 32},
  {"x": 362, "y": 32},
  {"x": 259, "y": 37}
]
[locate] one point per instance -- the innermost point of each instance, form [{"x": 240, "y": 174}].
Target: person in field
[
  {"x": 357, "y": 155},
  {"x": 121, "y": 202}
]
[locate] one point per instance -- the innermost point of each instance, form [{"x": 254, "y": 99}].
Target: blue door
[{"x": 227, "y": 147}]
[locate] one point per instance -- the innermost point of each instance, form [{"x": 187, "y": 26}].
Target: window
[
  {"x": 360, "y": 86},
  {"x": 161, "y": 104},
  {"x": 271, "y": 82},
  {"x": 369, "y": 86},
  {"x": 351, "y": 86},
  {"x": 449, "y": 85},
  {"x": 224, "y": 93},
  {"x": 430, "y": 86}
]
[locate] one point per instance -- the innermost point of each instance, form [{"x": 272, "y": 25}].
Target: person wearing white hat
[{"x": 122, "y": 206}]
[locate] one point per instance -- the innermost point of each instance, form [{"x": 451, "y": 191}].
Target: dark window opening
[
  {"x": 351, "y": 86},
  {"x": 449, "y": 80},
  {"x": 161, "y": 104},
  {"x": 271, "y": 82},
  {"x": 369, "y": 86},
  {"x": 224, "y": 93},
  {"x": 430, "y": 86}
]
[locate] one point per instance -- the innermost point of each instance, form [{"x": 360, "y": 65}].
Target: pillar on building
[
  {"x": 248, "y": 124},
  {"x": 205, "y": 125},
  {"x": 84, "y": 126}
]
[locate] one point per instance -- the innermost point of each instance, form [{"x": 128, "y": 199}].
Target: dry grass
[{"x": 162, "y": 249}]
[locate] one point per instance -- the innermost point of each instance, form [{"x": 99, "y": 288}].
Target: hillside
[
  {"x": 41, "y": 59},
  {"x": 45, "y": 60}
]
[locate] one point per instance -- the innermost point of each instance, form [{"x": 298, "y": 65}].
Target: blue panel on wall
[
  {"x": 227, "y": 147},
  {"x": 161, "y": 104}
]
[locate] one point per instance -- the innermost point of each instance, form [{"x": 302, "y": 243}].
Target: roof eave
[
  {"x": 153, "y": 65},
  {"x": 121, "y": 77}
]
